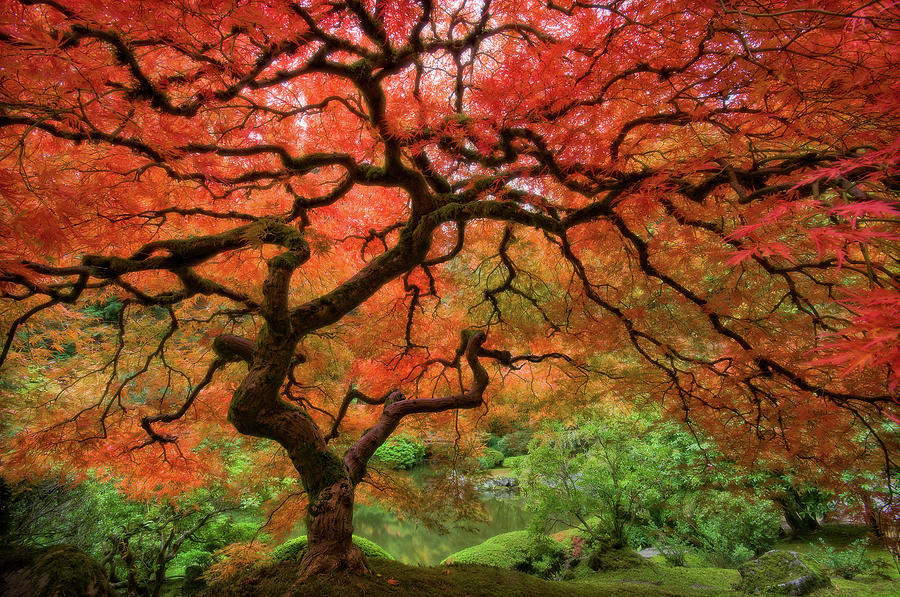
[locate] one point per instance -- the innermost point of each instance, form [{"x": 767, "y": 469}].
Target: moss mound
[
  {"x": 517, "y": 550},
  {"x": 295, "y": 548},
  {"x": 607, "y": 558},
  {"x": 781, "y": 573},
  {"x": 55, "y": 571}
]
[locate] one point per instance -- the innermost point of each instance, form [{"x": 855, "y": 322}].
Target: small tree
[
  {"x": 601, "y": 476},
  {"x": 136, "y": 542}
]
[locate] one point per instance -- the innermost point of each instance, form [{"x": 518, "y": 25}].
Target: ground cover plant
[{"x": 291, "y": 229}]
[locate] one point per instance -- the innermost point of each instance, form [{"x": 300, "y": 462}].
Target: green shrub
[
  {"x": 845, "y": 563},
  {"x": 400, "y": 453},
  {"x": 615, "y": 470},
  {"x": 518, "y": 550},
  {"x": 490, "y": 459},
  {"x": 512, "y": 461},
  {"x": 730, "y": 529},
  {"x": 295, "y": 548},
  {"x": 515, "y": 443},
  {"x": 673, "y": 549},
  {"x": 224, "y": 531},
  {"x": 193, "y": 557}
]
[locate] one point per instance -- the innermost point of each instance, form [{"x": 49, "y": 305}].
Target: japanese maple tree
[{"x": 326, "y": 217}]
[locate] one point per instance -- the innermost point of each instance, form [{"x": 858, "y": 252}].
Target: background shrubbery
[
  {"x": 490, "y": 458},
  {"x": 634, "y": 480},
  {"x": 400, "y": 453}
]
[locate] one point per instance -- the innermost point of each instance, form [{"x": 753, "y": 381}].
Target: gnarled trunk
[
  {"x": 330, "y": 533},
  {"x": 257, "y": 409}
]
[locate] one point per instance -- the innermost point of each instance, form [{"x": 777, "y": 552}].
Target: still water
[{"x": 412, "y": 543}]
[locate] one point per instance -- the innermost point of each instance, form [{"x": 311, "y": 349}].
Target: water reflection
[{"x": 412, "y": 543}]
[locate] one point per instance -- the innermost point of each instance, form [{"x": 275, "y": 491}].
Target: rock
[
  {"x": 649, "y": 552},
  {"x": 781, "y": 573},
  {"x": 500, "y": 485},
  {"x": 607, "y": 558},
  {"x": 55, "y": 571},
  {"x": 193, "y": 581}
]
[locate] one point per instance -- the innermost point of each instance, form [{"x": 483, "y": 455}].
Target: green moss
[
  {"x": 57, "y": 571},
  {"x": 396, "y": 579},
  {"x": 662, "y": 579},
  {"x": 782, "y": 572},
  {"x": 518, "y": 550},
  {"x": 607, "y": 557},
  {"x": 286, "y": 260},
  {"x": 295, "y": 548},
  {"x": 369, "y": 173}
]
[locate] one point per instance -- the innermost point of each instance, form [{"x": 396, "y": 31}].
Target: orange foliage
[{"x": 641, "y": 201}]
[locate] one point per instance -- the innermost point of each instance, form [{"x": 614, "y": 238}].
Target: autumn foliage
[{"x": 320, "y": 218}]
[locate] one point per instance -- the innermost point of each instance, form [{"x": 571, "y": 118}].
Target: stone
[
  {"x": 193, "y": 580},
  {"x": 780, "y": 572}
]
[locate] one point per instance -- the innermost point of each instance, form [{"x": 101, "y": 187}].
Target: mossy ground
[{"x": 656, "y": 579}]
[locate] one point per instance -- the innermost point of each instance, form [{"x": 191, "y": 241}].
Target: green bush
[
  {"x": 845, "y": 563},
  {"x": 515, "y": 443},
  {"x": 224, "y": 531},
  {"x": 400, "y": 453},
  {"x": 518, "y": 550},
  {"x": 730, "y": 529},
  {"x": 193, "y": 557},
  {"x": 512, "y": 461},
  {"x": 295, "y": 548},
  {"x": 673, "y": 549},
  {"x": 619, "y": 471},
  {"x": 490, "y": 459}
]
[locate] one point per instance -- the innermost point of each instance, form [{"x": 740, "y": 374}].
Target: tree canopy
[{"x": 318, "y": 219}]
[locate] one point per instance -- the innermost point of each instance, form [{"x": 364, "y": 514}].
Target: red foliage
[{"x": 639, "y": 201}]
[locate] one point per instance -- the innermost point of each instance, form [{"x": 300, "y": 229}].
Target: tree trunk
[
  {"x": 330, "y": 533},
  {"x": 801, "y": 524}
]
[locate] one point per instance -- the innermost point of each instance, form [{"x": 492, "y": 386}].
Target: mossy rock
[
  {"x": 55, "y": 571},
  {"x": 193, "y": 579},
  {"x": 607, "y": 558},
  {"x": 518, "y": 550},
  {"x": 295, "y": 548},
  {"x": 780, "y": 572}
]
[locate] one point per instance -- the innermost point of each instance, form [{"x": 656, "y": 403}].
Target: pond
[{"x": 412, "y": 543}]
